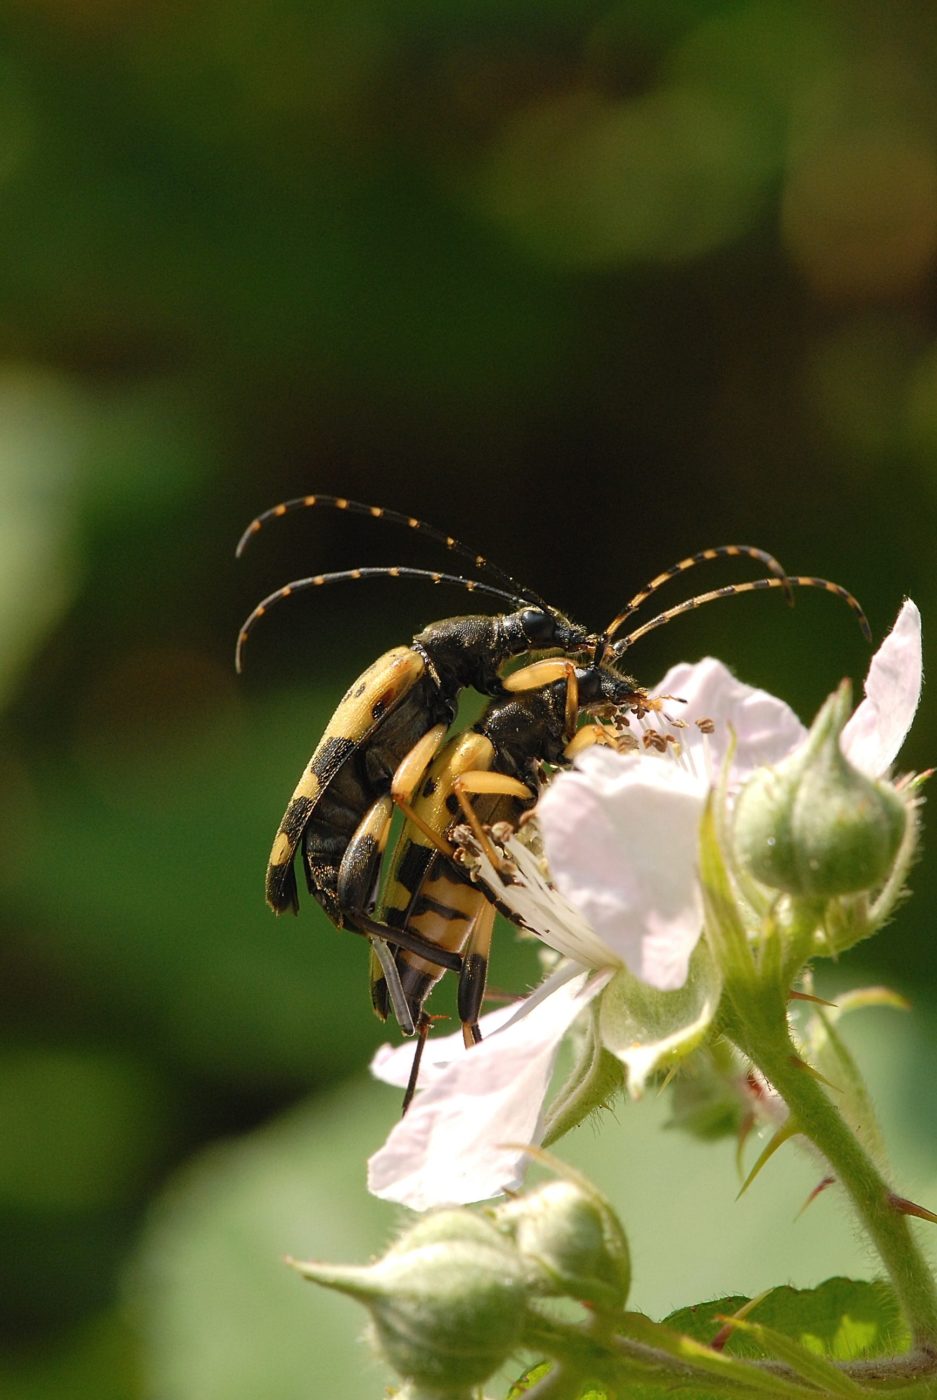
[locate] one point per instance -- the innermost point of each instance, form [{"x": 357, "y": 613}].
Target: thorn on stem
[
  {"x": 821, "y": 1186},
  {"x": 798, "y": 1063},
  {"x": 808, "y": 996},
  {"x": 906, "y": 1207}
]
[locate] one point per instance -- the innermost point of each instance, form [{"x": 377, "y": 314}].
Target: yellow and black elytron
[{"x": 393, "y": 719}]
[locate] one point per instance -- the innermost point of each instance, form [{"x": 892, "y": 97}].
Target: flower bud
[
  {"x": 813, "y": 825},
  {"x": 447, "y": 1301},
  {"x": 707, "y": 1101},
  {"x": 573, "y": 1240}
]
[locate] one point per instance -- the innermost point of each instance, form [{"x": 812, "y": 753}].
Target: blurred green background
[{"x": 590, "y": 285}]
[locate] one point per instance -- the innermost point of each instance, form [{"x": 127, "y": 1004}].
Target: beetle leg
[
  {"x": 386, "y": 989},
  {"x": 537, "y": 674},
  {"x": 407, "y": 778},
  {"x": 572, "y": 700},
  {"x": 474, "y": 975},
  {"x": 486, "y": 782},
  {"x": 587, "y": 736},
  {"x": 361, "y": 922},
  {"x": 360, "y": 864},
  {"x": 358, "y": 874},
  {"x": 540, "y": 673},
  {"x": 421, "y": 1030}
]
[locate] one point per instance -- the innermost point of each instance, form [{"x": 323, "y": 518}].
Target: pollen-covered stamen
[
  {"x": 528, "y": 897},
  {"x": 653, "y": 739},
  {"x": 707, "y": 728}
]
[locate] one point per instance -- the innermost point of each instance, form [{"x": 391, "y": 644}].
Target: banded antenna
[
  {"x": 394, "y": 517},
  {"x": 300, "y": 585},
  {"x": 730, "y": 591},
  {"x": 702, "y": 556}
]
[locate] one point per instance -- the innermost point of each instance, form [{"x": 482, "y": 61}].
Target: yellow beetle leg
[
  {"x": 484, "y": 782},
  {"x": 535, "y": 675},
  {"x": 587, "y": 736},
  {"x": 407, "y": 778}
]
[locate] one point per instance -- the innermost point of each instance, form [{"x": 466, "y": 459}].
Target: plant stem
[{"x": 767, "y": 1043}]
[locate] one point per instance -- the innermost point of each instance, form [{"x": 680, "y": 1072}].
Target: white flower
[
  {"x": 622, "y": 904},
  {"x": 448, "y": 1149}
]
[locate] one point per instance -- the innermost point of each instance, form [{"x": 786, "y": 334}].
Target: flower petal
[
  {"x": 875, "y": 733},
  {"x": 765, "y": 728},
  {"x": 448, "y": 1150},
  {"x": 393, "y": 1063},
  {"x": 620, "y": 834}
]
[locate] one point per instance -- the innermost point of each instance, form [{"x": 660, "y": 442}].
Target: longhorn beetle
[
  {"x": 490, "y": 774},
  {"x": 487, "y": 774},
  {"x": 393, "y": 719}
]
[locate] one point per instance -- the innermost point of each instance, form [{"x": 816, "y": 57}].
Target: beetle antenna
[
  {"x": 730, "y": 590},
  {"x": 723, "y": 551},
  {"x": 394, "y": 517},
  {"x": 353, "y": 575}
]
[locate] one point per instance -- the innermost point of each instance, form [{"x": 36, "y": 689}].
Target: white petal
[
  {"x": 448, "y": 1149},
  {"x": 766, "y": 729},
  {"x": 620, "y": 834},
  {"x": 875, "y": 733},
  {"x": 392, "y": 1063}
]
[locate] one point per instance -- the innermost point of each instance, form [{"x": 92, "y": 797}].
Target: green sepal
[
  {"x": 725, "y": 931},
  {"x": 648, "y": 1030},
  {"x": 595, "y": 1079}
]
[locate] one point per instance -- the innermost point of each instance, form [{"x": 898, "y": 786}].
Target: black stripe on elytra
[
  {"x": 297, "y": 817},
  {"x": 330, "y": 756}
]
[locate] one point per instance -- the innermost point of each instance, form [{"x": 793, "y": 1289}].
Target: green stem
[{"x": 769, "y": 1046}]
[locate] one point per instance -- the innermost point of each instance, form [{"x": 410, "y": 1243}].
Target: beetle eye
[{"x": 539, "y": 626}]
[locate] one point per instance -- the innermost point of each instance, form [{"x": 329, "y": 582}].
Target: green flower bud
[
  {"x": 706, "y": 1100},
  {"x": 813, "y": 825},
  {"x": 573, "y": 1240},
  {"x": 447, "y": 1301}
]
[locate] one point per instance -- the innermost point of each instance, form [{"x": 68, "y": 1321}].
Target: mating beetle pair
[{"x": 383, "y": 748}]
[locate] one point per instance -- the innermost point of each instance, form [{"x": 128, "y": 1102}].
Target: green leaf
[
  {"x": 843, "y": 1319},
  {"x": 536, "y": 1373},
  {"x": 529, "y": 1378},
  {"x": 807, "y": 1364},
  {"x": 721, "y": 1366}
]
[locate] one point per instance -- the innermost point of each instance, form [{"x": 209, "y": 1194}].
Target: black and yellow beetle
[
  {"x": 388, "y": 727},
  {"x": 486, "y": 775},
  {"x": 393, "y": 719}
]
